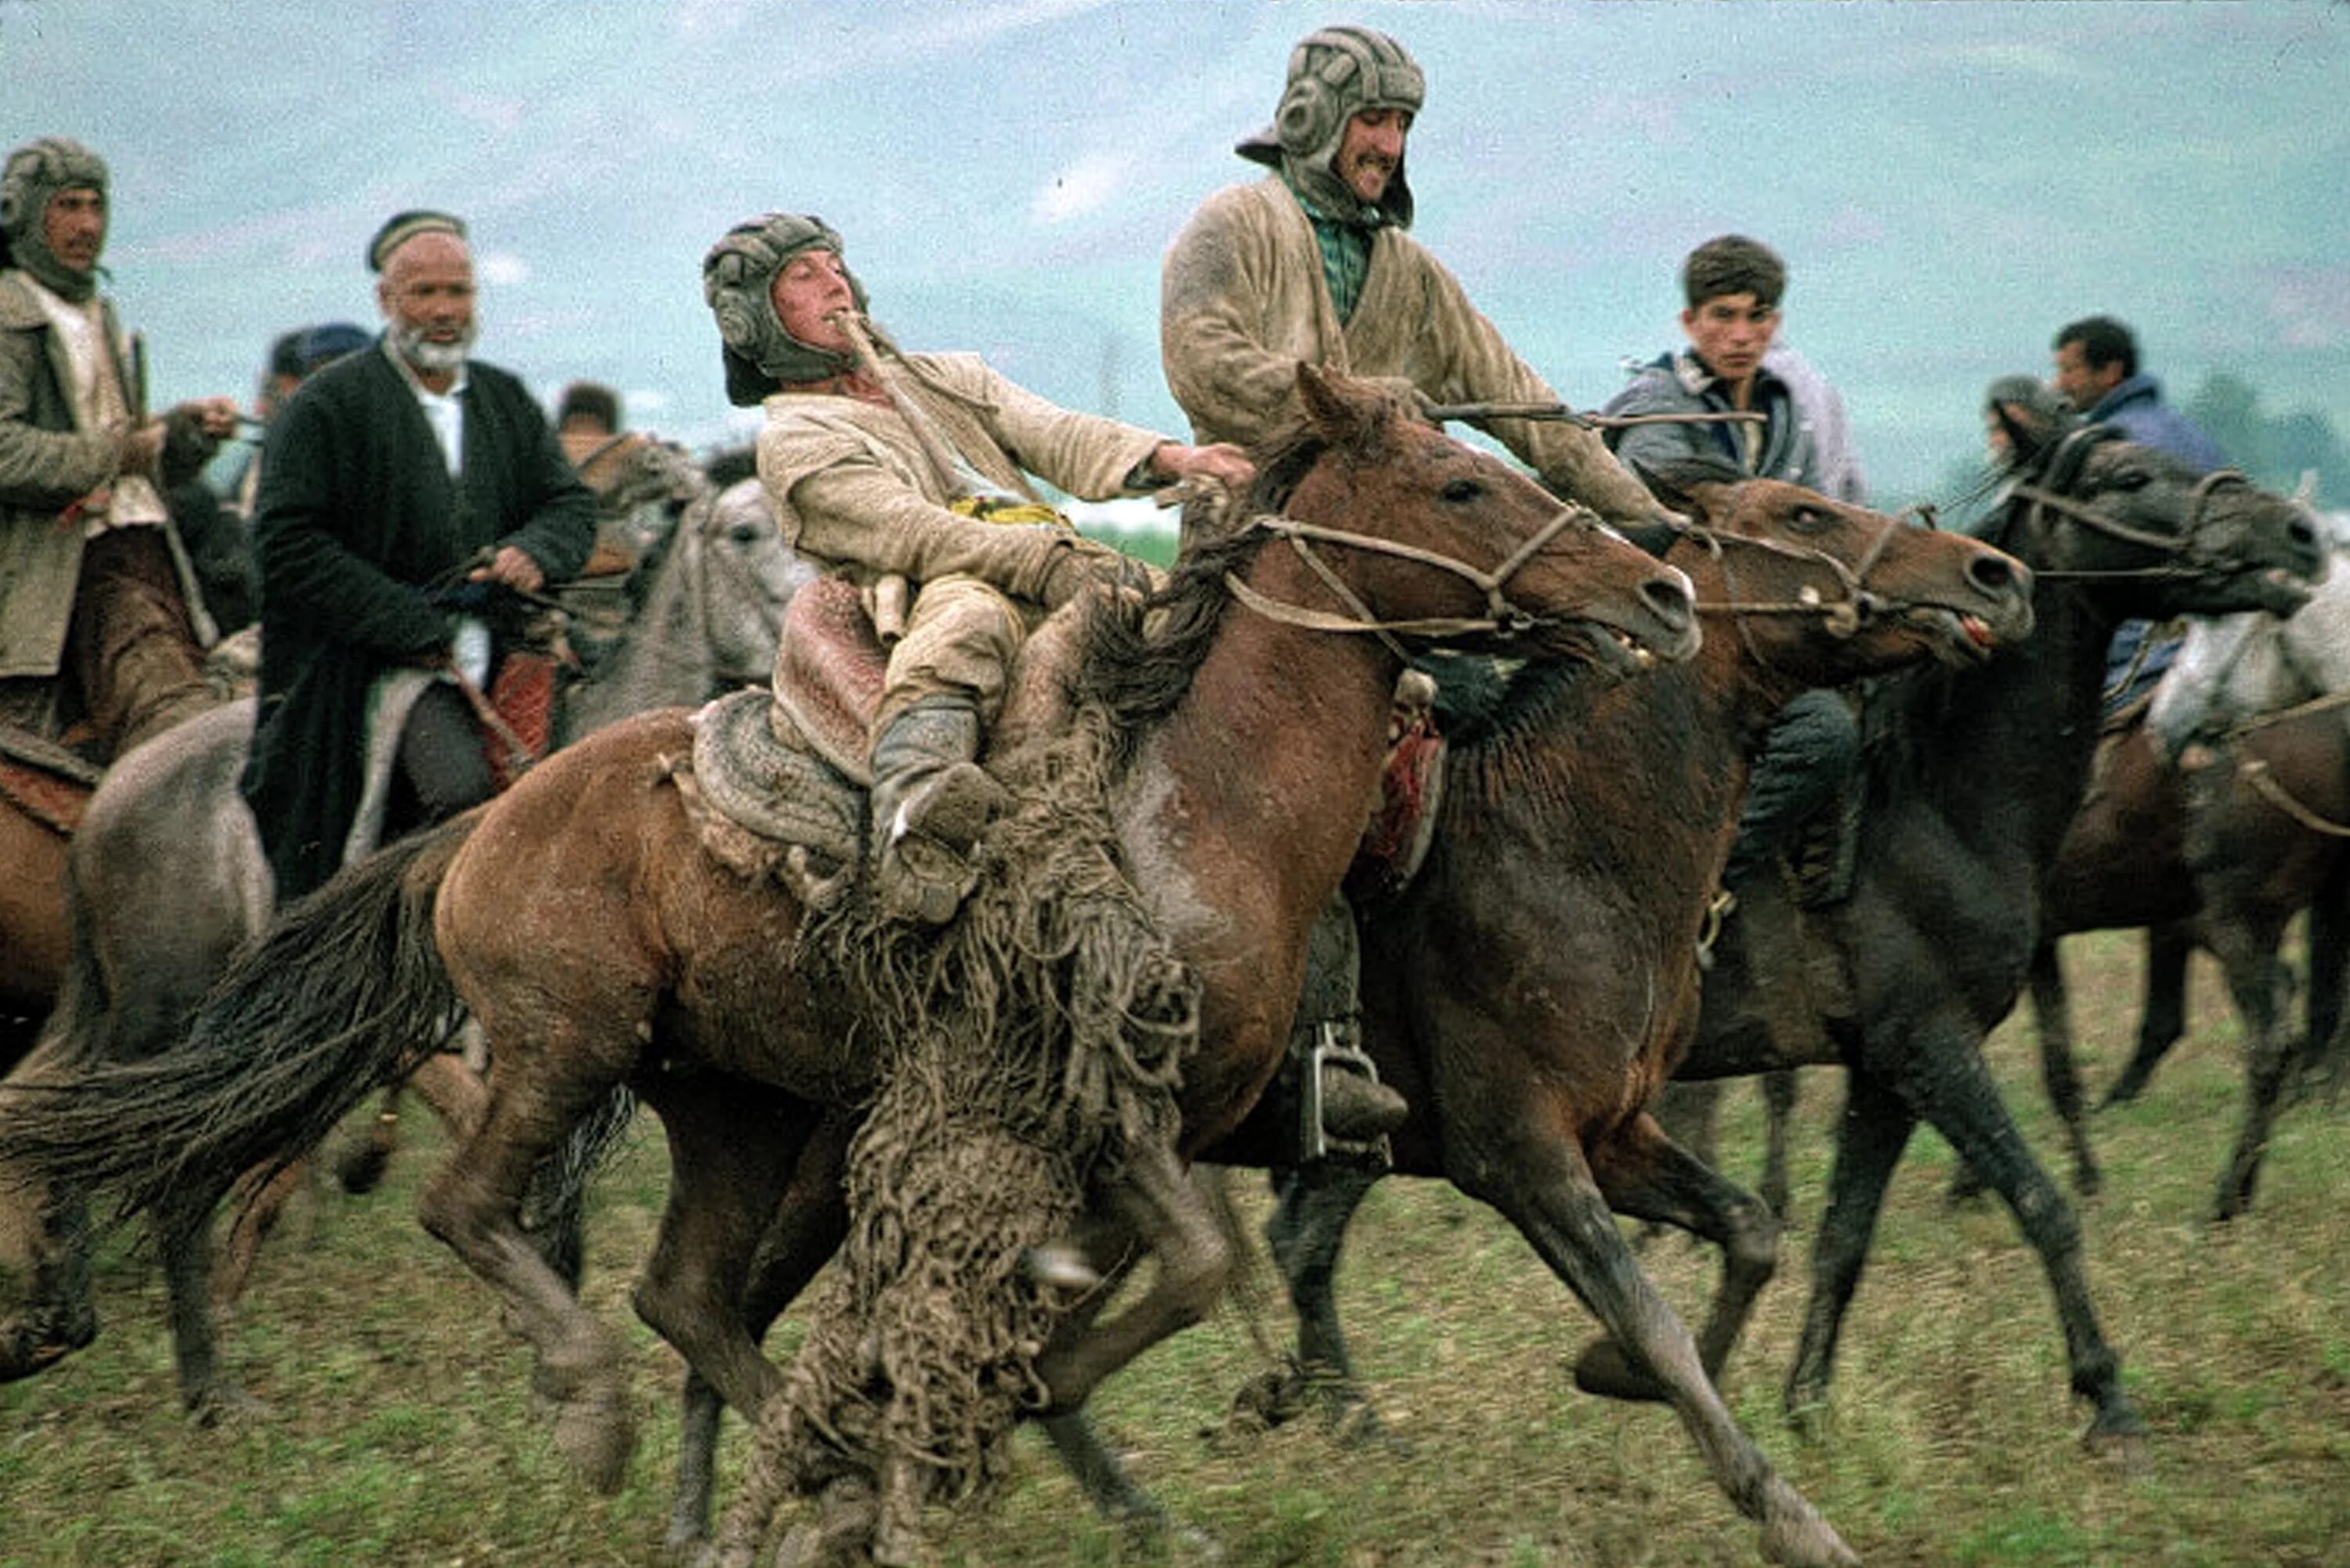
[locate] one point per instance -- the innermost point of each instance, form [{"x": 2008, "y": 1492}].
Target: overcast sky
[{"x": 1947, "y": 181}]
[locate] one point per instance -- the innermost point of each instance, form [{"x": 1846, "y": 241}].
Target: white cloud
[
  {"x": 500, "y": 268},
  {"x": 1084, "y": 185}
]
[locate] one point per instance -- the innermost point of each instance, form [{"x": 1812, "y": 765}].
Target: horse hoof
[
  {"x": 598, "y": 1437},
  {"x": 1605, "y": 1370},
  {"x": 361, "y": 1171},
  {"x": 1806, "y": 1543},
  {"x": 224, "y": 1404}
]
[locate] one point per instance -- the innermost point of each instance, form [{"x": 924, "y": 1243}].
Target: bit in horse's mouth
[{"x": 1962, "y": 636}]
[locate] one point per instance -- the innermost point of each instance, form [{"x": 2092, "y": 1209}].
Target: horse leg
[
  {"x": 2247, "y": 954},
  {"x": 1647, "y": 1175},
  {"x": 1151, "y": 1198},
  {"x": 1541, "y": 1182},
  {"x": 473, "y": 1205},
  {"x": 802, "y": 1231},
  {"x": 1305, "y": 1231},
  {"x": 2325, "y": 1054},
  {"x": 2051, "y": 1016},
  {"x": 1778, "y": 1119},
  {"x": 1870, "y": 1135},
  {"x": 2163, "y": 1022},
  {"x": 56, "y": 1317},
  {"x": 183, "y": 1235},
  {"x": 1940, "y": 1074}
]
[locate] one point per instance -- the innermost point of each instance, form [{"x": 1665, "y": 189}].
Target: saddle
[
  {"x": 777, "y": 781},
  {"x": 47, "y": 782},
  {"x": 789, "y": 767}
]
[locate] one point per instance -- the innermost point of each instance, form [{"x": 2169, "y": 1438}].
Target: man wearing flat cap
[
  {"x": 102, "y": 629},
  {"x": 405, "y": 483},
  {"x": 1313, "y": 262}
]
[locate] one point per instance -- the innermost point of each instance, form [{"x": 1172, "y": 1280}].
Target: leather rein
[{"x": 2189, "y": 558}]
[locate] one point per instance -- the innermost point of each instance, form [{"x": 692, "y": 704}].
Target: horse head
[
  {"x": 1825, "y": 590},
  {"x": 746, "y": 576},
  {"x": 1396, "y": 529},
  {"x": 2150, "y": 535}
]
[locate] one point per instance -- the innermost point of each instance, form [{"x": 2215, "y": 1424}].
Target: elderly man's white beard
[{"x": 430, "y": 358}]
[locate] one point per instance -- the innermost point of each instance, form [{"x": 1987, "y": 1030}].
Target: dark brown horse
[
  {"x": 2222, "y": 854},
  {"x": 1963, "y": 813},
  {"x": 581, "y": 922}
]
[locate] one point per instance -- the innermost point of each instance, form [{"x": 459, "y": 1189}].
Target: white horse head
[{"x": 2232, "y": 668}]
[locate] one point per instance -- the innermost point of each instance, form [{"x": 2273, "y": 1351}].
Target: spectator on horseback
[
  {"x": 2096, "y": 368},
  {"x": 908, "y": 475},
  {"x": 1732, "y": 365},
  {"x": 412, "y": 493},
  {"x": 1313, "y": 262},
  {"x": 102, "y": 626}
]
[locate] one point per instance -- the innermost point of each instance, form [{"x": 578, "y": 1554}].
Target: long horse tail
[{"x": 344, "y": 992}]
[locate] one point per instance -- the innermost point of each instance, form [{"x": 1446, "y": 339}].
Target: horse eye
[
  {"x": 1460, "y": 491},
  {"x": 2131, "y": 479},
  {"x": 1809, "y": 520},
  {"x": 742, "y": 534}
]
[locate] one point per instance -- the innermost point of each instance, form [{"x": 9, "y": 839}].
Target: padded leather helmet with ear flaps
[
  {"x": 736, "y": 277},
  {"x": 1334, "y": 74},
  {"x": 34, "y": 174}
]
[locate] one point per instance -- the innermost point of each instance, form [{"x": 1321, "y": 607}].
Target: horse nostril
[
  {"x": 1991, "y": 574},
  {"x": 1671, "y": 599}
]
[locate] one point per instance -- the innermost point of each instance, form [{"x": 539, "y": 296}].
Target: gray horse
[{"x": 166, "y": 878}]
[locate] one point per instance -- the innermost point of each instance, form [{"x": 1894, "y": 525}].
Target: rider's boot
[
  {"x": 1344, "y": 1103},
  {"x": 931, "y": 802}
]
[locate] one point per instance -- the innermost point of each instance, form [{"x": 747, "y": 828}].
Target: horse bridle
[
  {"x": 1503, "y": 620},
  {"x": 2189, "y": 558},
  {"x": 1842, "y": 617}
]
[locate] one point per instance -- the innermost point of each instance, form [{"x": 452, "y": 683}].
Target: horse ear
[
  {"x": 1344, "y": 412},
  {"x": 1689, "y": 484}
]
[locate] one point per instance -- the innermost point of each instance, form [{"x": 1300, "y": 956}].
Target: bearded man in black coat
[{"x": 405, "y": 483}]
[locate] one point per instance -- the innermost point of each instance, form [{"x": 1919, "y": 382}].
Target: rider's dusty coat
[
  {"x": 47, "y": 463},
  {"x": 888, "y": 511},
  {"x": 1242, "y": 301}
]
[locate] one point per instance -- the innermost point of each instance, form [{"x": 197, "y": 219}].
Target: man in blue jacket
[{"x": 2096, "y": 368}]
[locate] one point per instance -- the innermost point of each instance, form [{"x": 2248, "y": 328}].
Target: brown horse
[
  {"x": 43, "y": 791},
  {"x": 1528, "y": 996},
  {"x": 166, "y": 880},
  {"x": 581, "y": 922}
]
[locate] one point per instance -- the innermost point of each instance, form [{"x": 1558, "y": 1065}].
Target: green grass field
[{"x": 399, "y": 1430}]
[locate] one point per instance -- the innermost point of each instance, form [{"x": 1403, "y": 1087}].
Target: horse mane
[{"x": 1136, "y": 657}]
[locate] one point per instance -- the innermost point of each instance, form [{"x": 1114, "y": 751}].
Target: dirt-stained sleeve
[
  {"x": 1480, "y": 366},
  {"x": 1216, "y": 286},
  {"x": 1085, "y": 454},
  {"x": 850, "y": 502}
]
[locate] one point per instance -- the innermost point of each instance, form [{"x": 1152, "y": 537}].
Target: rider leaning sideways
[{"x": 899, "y": 472}]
